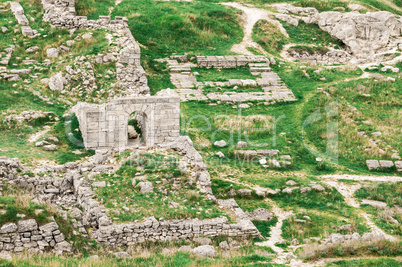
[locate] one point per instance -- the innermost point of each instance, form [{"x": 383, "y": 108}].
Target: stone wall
[
  {"x": 229, "y": 61},
  {"x": 105, "y": 126},
  {"x": 28, "y": 235},
  {"x": 61, "y": 13},
  {"x": 72, "y": 190}
]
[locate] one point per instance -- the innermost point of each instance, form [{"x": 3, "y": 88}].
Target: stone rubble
[{"x": 129, "y": 71}]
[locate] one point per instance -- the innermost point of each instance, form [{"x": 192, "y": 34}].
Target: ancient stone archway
[{"x": 105, "y": 126}]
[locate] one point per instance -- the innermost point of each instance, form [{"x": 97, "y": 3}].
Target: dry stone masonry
[
  {"x": 130, "y": 74},
  {"x": 105, "y": 126},
  {"x": 189, "y": 89},
  {"x": 28, "y": 235}
]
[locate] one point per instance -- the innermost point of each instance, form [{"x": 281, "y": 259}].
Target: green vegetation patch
[
  {"x": 269, "y": 37},
  {"x": 381, "y": 262},
  {"x": 174, "y": 196},
  {"x": 223, "y": 75},
  {"x": 389, "y": 193},
  {"x": 308, "y": 224},
  {"x": 93, "y": 8}
]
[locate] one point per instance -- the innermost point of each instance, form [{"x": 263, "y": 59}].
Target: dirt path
[
  {"x": 250, "y": 17},
  {"x": 389, "y": 179},
  {"x": 276, "y": 233},
  {"x": 348, "y": 191},
  {"x": 34, "y": 137}
]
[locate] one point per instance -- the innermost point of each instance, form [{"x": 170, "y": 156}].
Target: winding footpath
[{"x": 250, "y": 17}]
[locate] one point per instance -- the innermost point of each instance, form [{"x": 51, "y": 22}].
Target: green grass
[
  {"x": 177, "y": 259},
  {"x": 223, "y": 75},
  {"x": 126, "y": 203},
  {"x": 389, "y": 193},
  {"x": 265, "y": 227},
  {"x": 381, "y": 262},
  {"x": 191, "y": 27},
  {"x": 93, "y": 8},
  {"x": 269, "y": 37},
  {"x": 15, "y": 206},
  {"x": 317, "y": 226},
  {"x": 306, "y": 33}
]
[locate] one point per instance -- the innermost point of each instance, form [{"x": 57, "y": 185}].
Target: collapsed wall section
[{"x": 61, "y": 13}]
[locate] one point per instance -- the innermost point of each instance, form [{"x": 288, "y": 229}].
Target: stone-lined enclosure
[
  {"x": 130, "y": 74},
  {"x": 105, "y": 126}
]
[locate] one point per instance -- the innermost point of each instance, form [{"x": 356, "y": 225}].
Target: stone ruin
[{"x": 106, "y": 126}]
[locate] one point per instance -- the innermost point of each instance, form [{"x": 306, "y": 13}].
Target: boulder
[
  {"x": 204, "y": 251},
  {"x": 50, "y": 148},
  {"x": 244, "y": 192},
  {"x": 132, "y": 133},
  {"x": 185, "y": 249},
  {"x": 374, "y": 203},
  {"x": 221, "y": 143},
  {"x": 241, "y": 144},
  {"x": 305, "y": 189},
  {"x": 291, "y": 182},
  {"x": 372, "y": 164},
  {"x": 202, "y": 240},
  {"x": 224, "y": 245},
  {"x": 385, "y": 164},
  {"x": 346, "y": 227},
  {"x": 52, "y": 52},
  {"x": 64, "y": 246},
  {"x": 122, "y": 254},
  {"x": 220, "y": 154},
  {"x": 145, "y": 187},
  {"x": 260, "y": 214},
  {"x": 56, "y": 82},
  {"x": 5, "y": 256},
  {"x": 356, "y": 7},
  {"x": 32, "y": 49},
  {"x": 398, "y": 165},
  {"x": 318, "y": 187}
]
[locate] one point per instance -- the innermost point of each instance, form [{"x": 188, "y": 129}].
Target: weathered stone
[
  {"x": 52, "y": 52},
  {"x": 204, "y": 251},
  {"x": 318, "y": 187},
  {"x": 373, "y": 164},
  {"x": 132, "y": 133},
  {"x": 49, "y": 227},
  {"x": 260, "y": 214},
  {"x": 50, "y": 148},
  {"x": 202, "y": 240},
  {"x": 8, "y": 228},
  {"x": 56, "y": 82},
  {"x": 305, "y": 189},
  {"x": 241, "y": 144},
  {"x": 221, "y": 143},
  {"x": 385, "y": 164},
  {"x": 145, "y": 187},
  {"x": 244, "y": 192},
  {"x": 64, "y": 246},
  {"x": 122, "y": 254},
  {"x": 27, "y": 225}
]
